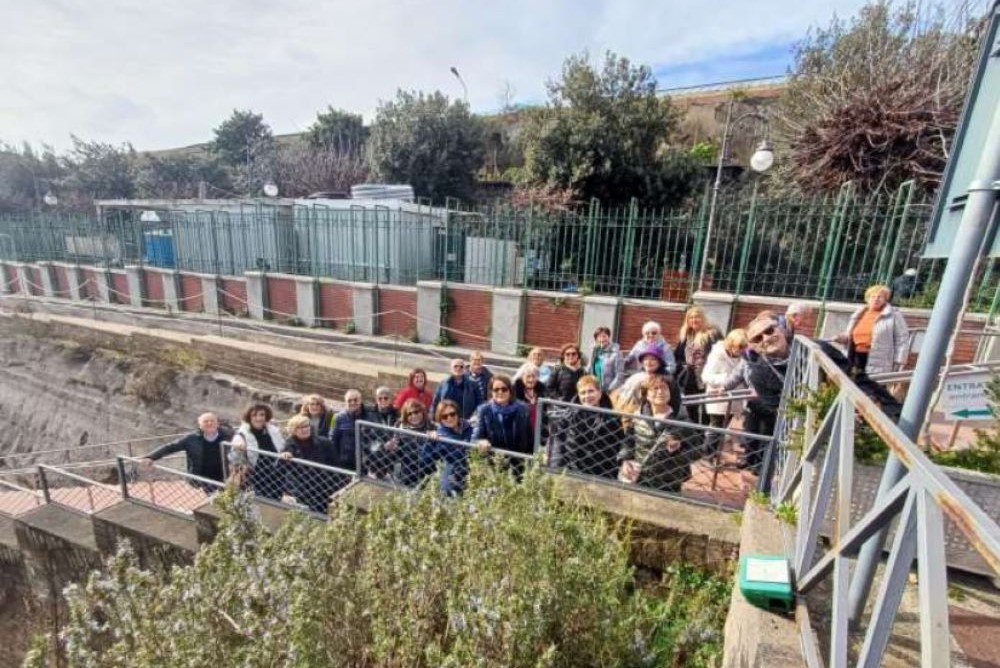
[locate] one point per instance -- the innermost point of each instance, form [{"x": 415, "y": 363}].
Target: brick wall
[
  {"x": 37, "y": 288},
  {"x": 548, "y": 324},
  {"x": 336, "y": 304},
  {"x": 153, "y": 281},
  {"x": 88, "y": 285},
  {"x": 631, "y": 318},
  {"x": 190, "y": 297},
  {"x": 747, "y": 309},
  {"x": 233, "y": 295},
  {"x": 404, "y": 322},
  {"x": 119, "y": 283},
  {"x": 281, "y": 303},
  {"x": 61, "y": 282},
  {"x": 470, "y": 317}
]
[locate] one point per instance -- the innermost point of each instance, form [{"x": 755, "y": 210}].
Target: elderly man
[
  {"x": 460, "y": 389},
  {"x": 794, "y": 321},
  {"x": 763, "y": 371},
  {"x": 342, "y": 435},
  {"x": 203, "y": 448}
]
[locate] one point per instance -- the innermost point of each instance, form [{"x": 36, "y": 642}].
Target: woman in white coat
[
  {"x": 877, "y": 337},
  {"x": 724, "y": 357},
  {"x": 257, "y": 433}
]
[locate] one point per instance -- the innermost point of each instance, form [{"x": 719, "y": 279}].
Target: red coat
[{"x": 410, "y": 392}]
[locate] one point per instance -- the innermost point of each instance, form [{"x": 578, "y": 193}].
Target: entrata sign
[
  {"x": 966, "y": 148},
  {"x": 965, "y": 398}
]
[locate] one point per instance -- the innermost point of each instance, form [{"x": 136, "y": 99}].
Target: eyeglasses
[
  {"x": 449, "y": 415},
  {"x": 354, "y": 401},
  {"x": 571, "y": 353},
  {"x": 382, "y": 397},
  {"x": 760, "y": 337},
  {"x": 501, "y": 388},
  {"x": 457, "y": 366}
]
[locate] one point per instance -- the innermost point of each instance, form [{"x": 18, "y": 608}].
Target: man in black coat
[{"x": 203, "y": 448}]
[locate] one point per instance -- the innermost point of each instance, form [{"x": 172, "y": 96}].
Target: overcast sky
[{"x": 163, "y": 74}]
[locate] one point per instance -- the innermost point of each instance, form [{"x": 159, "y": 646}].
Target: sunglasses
[
  {"x": 382, "y": 398},
  {"x": 449, "y": 415},
  {"x": 457, "y": 366},
  {"x": 501, "y": 388},
  {"x": 760, "y": 337}
]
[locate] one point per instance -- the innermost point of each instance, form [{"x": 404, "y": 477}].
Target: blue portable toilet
[{"x": 159, "y": 248}]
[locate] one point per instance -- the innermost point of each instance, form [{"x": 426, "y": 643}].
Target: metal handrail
[
  {"x": 89, "y": 485},
  {"x": 921, "y": 500}
]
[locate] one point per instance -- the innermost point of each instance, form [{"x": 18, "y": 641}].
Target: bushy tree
[
  {"x": 98, "y": 170},
  {"x": 338, "y": 130},
  {"x": 604, "y": 134},
  {"x": 429, "y": 142},
  {"x": 876, "y": 100},
  {"x": 300, "y": 170},
  {"x": 507, "y": 575},
  {"x": 245, "y": 142},
  {"x": 178, "y": 176},
  {"x": 26, "y": 175}
]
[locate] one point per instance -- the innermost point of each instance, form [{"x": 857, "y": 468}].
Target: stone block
[
  {"x": 256, "y": 294},
  {"x": 306, "y": 299},
  {"x": 365, "y": 301},
  {"x": 597, "y": 312},
  {"x": 133, "y": 274},
  {"x": 507, "y": 324},
  {"x": 428, "y": 311}
]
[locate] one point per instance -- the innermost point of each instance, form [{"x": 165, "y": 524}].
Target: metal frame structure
[{"x": 822, "y": 474}]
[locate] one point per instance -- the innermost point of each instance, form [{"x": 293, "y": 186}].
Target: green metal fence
[{"x": 828, "y": 248}]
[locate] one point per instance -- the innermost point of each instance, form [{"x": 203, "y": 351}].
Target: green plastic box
[{"x": 766, "y": 582}]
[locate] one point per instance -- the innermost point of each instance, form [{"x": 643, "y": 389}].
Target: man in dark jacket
[
  {"x": 459, "y": 389},
  {"x": 343, "y": 437},
  {"x": 203, "y": 448}
]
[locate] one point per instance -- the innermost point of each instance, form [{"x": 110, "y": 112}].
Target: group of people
[{"x": 616, "y": 414}]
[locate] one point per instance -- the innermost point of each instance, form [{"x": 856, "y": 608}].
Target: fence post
[
  {"x": 633, "y": 212},
  {"x": 699, "y": 245},
  {"x": 747, "y": 241},
  {"x": 44, "y": 483},
  {"x": 526, "y": 246},
  {"x": 122, "y": 482},
  {"x": 833, "y": 241}
]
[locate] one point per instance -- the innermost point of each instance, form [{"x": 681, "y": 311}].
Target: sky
[{"x": 163, "y": 74}]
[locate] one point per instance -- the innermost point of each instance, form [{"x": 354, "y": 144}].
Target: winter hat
[{"x": 655, "y": 349}]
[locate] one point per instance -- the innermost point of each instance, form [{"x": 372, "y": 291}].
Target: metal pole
[
  {"x": 715, "y": 196},
  {"x": 973, "y": 230}
]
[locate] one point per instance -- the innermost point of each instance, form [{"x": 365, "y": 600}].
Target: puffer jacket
[
  {"x": 718, "y": 366},
  {"x": 890, "y": 339},
  {"x": 612, "y": 366}
]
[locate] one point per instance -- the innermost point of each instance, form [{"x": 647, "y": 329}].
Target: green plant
[
  {"x": 585, "y": 289},
  {"x": 443, "y": 340},
  {"x": 787, "y": 512},
  {"x": 760, "y": 498},
  {"x": 349, "y": 327},
  {"x": 151, "y": 383},
  {"x": 507, "y": 575},
  {"x": 523, "y": 350},
  {"x": 557, "y": 301},
  {"x": 704, "y": 152},
  {"x": 292, "y": 321}
]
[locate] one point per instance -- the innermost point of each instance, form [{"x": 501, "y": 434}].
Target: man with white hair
[
  {"x": 795, "y": 318},
  {"x": 203, "y": 448},
  {"x": 343, "y": 437}
]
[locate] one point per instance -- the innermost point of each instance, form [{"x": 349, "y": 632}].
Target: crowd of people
[{"x": 640, "y": 417}]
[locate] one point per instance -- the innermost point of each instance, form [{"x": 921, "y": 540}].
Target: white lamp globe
[
  {"x": 270, "y": 190},
  {"x": 762, "y": 158},
  {"x": 50, "y": 199}
]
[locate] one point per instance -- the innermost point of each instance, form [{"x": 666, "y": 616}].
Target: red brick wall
[
  {"x": 10, "y": 279},
  {"x": 336, "y": 304},
  {"x": 548, "y": 325},
  {"x": 404, "y": 322},
  {"x": 471, "y": 317},
  {"x": 61, "y": 282},
  {"x": 747, "y": 309},
  {"x": 281, "y": 302},
  {"x": 153, "y": 281},
  {"x": 631, "y": 318},
  {"x": 233, "y": 295},
  {"x": 88, "y": 285},
  {"x": 121, "y": 294},
  {"x": 36, "y": 287},
  {"x": 191, "y": 298}
]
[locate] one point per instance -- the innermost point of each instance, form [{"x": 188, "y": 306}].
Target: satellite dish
[{"x": 270, "y": 189}]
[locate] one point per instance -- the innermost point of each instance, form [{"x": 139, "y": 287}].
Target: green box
[{"x": 766, "y": 582}]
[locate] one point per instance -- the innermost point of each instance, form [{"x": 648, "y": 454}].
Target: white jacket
[
  {"x": 890, "y": 339},
  {"x": 244, "y": 435},
  {"x": 718, "y": 366}
]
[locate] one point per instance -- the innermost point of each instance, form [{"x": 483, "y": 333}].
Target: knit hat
[{"x": 655, "y": 349}]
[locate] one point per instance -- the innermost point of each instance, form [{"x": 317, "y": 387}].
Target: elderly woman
[
  {"x": 416, "y": 388},
  {"x": 660, "y": 453},
  {"x": 405, "y": 450},
  {"x": 529, "y": 389},
  {"x": 257, "y": 433},
  {"x": 504, "y": 422},
  {"x": 877, "y": 336},
  {"x": 695, "y": 341},
  {"x": 721, "y": 362},
  {"x": 536, "y": 358},
  {"x": 562, "y": 383},
  {"x": 652, "y": 334},
  {"x": 311, "y": 486},
  {"x": 320, "y": 417},
  {"x": 606, "y": 361}
]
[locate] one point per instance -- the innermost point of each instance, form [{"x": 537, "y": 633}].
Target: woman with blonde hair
[
  {"x": 722, "y": 361},
  {"x": 695, "y": 341},
  {"x": 320, "y": 417},
  {"x": 877, "y": 336}
]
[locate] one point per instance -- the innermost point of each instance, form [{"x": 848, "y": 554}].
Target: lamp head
[{"x": 763, "y": 157}]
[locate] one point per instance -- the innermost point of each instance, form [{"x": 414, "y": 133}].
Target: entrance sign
[{"x": 964, "y": 397}]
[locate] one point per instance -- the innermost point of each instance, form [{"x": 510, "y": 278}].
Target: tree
[
  {"x": 26, "y": 175},
  {"x": 245, "y": 142},
  {"x": 339, "y": 130},
  {"x": 876, "y": 101},
  {"x": 424, "y": 140},
  {"x": 300, "y": 170},
  {"x": 98, "y": 170},
  {"x": 178, "y": 176},
  {"x": 604, "y": 134}
]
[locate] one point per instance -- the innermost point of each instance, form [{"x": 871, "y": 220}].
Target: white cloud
[{"x": 164, "y": 74}]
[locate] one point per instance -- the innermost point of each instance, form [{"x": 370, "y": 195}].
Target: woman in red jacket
[{"x": 416, "y": 388}]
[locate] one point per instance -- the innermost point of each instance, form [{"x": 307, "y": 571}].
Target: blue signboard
[{"x": 980, "y": 104}]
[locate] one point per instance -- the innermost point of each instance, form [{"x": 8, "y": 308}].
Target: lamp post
[
  {"x": 465, "y": 89},
  {"x": 761, "y": 161}
]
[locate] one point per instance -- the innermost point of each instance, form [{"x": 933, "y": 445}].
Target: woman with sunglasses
[
  {"x": 504, "y": 422},
  {"x": 562, "y": 383},
  {"x": 452, "y": 426},
  {"x": 651, "y": 334},
  {"x": 405, "y": 450}
]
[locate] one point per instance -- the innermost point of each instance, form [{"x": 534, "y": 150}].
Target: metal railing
[
  {"x": 164, "y": 488},
  {"x": 816, "y": 467},
  {"x": 76, "y": 492},
  {"x": 16, "y": 499}
]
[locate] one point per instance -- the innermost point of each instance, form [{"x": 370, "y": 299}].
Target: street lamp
[
  {"x": 465, "y": 89},
  {"x": 760, "y": 161},
  {"x": 270, "y": 189},
  {"x": 50, "y": 199}
]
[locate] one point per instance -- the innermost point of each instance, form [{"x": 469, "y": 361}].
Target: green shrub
[{"x": 505, "y": 576}]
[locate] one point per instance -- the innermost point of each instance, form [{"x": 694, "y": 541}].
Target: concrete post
[
  {"x": 171, "y": 290},
  {"x": 24, "y": 277},
  {"x": 5, "y": 277},
  {"x": 507, "y": 323},
  {"x": 365, "y": 300},
  {"x": 719, "y": 308},
  {"x": 256, "y": 294},
  {"x": 597, "y": 312},
  {"x": 48, "y": 285},
  {"x": 428, "y": 310},
  {"x": 306, "y": 299},
  {"x": 210, "y": 293},
  {"x": 103, "y": 279},
  {"x": 73, "y": 281},
  {"x": 133, "y": 274}
]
